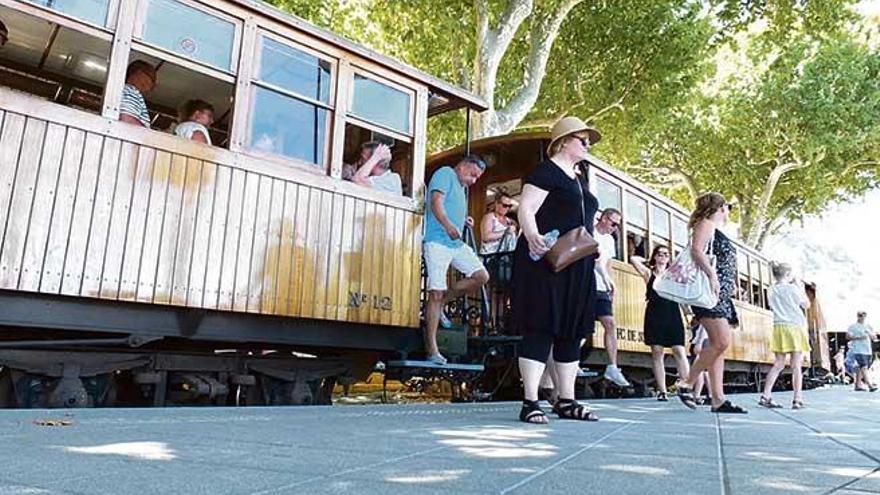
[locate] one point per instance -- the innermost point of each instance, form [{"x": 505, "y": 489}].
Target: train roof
[{"x": 456, "y": 96}]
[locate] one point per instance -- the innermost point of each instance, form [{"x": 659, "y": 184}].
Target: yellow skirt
[{"x": 789, "y": 338}]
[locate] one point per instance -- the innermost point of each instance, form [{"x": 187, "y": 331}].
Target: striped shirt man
[{"x": 133, "y": 104}]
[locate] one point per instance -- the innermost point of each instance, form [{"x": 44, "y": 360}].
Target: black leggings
[{"x": 537, "y": 346}]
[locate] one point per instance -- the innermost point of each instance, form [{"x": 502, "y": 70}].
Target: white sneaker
[
  {"x": 445, "y": 322},
  {"x": 437, "y": 358},
  {"x": 614, "y": 374}
]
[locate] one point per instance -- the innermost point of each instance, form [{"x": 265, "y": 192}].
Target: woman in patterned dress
[{"x": 711, "y": 212}]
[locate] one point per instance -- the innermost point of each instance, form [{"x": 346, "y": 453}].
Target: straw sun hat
[{"x": 571, "y": 125}]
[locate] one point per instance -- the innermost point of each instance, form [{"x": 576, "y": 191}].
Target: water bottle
[{"x": 549, "y": 239}]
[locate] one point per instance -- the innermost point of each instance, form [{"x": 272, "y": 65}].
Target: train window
[
  {"x": 92, "y": 11},
  {"x": 358, "y": 147},
  {"x": 636, "y": 242},
  {"x": 176, "y": 85},
  {"x": 291, "y": 114},
  {"x": 54, "y": 62},
  {"x": 382, "y": 104},
  {"x": 608, "y": 194},
  {"x": 190, "y": 32},
  {"x": 288, "y": 126},
  {"x": 660, "y": 222},
  {"x": 757, "y": 292},
  {"x": 680, "y": 231},
  {"x": 294, "y": 70},
  {"x": 742, "y": 266},
  {"x": 636, "y": 210}
]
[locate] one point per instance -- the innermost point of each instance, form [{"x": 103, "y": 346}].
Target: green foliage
[{"x": 811, "y": 116}]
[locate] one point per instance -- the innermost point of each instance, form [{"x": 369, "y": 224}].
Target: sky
[{"x": 840, "y": 251}]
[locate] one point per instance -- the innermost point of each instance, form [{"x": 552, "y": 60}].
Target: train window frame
[
  {"x": 110, "y": 22},
  {"x": 253, "y": 83},
  {"x": 351, "y": 117},
  {"x": 140, "y": 20}
]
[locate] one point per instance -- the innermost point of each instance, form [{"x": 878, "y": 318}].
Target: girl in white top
[
  {"x": 195, "y": 118},
  {"x": 790, "y": 338}
]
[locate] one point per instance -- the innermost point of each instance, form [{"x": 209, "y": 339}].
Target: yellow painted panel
[
  {"x": 168, "y": 239},
  {"x": 137, "y": 220},
  {"x": 183, "y": 254},
  {"x": 152, "y": 241},
  {"x": 220, "y": 217}
]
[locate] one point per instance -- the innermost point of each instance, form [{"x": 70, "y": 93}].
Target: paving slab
[{"x": 640, "y": 446}]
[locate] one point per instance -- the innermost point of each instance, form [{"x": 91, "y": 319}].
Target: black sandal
[
  {"x": 571, "y": 409},
  {"x": 532, "y": 413},
  {"x": 727, "y": 408},
  {"x": 686, "y": 396},
  {"x": 662, "y": 397}
]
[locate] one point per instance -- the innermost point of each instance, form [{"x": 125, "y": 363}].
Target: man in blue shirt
[{"x": 445, "y": 218}]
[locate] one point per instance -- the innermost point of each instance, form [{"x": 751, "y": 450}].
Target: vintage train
[{"x": 140, "y": 268}]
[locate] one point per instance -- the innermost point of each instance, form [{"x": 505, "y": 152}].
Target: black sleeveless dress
[
  {"x": 663, "y": 323},
  {"x": 725, "y": 267},
  {"x": 562, "y": 304}
]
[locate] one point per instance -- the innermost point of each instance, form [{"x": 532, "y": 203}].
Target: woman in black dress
[
  {"x": 663, "y": 323},
  {"x": 711, "y": 212},
  {"x": 554, "y": 310}
]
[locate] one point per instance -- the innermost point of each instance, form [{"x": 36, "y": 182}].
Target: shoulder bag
[
  {"x": 574, "y": 245},
  {"x": 685, "y": 283}
]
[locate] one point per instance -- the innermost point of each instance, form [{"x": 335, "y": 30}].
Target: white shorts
[{"x": 438, "y": 258}]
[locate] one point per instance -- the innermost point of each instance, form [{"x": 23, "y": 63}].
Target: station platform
[{"x": 640, "y": 446}]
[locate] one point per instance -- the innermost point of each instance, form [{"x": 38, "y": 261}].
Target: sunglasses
[
  {"x": 506, "y": 205},
  {"x": 661, "y": 253},
  {"x": 614, "y": 225},
  {"x": 585, "y": 141}
]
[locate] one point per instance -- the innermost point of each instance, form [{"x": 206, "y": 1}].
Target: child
[{"x": 790, "y": 338}]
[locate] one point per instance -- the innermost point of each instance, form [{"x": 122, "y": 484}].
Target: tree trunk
[{"x": 493, "y": 44}]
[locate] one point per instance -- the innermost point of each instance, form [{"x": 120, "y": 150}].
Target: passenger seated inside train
[
  {"x": 195, "y": 117},
  {"x": 373, "y": 169},
  {"x": 140, "y": 79}
]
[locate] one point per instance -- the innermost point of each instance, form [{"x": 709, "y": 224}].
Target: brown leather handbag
[{"x": 574, "y": 245}]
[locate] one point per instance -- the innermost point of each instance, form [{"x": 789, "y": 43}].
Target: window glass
[
  {"x": 742, "y": 262},
  {"x": 680, "y": 231},
  {"x": 381, "y": 104},
  {"x": 608, "y": 194},
  {"x": 636, "y": 210},
  {"x": 287, "y": 126},
  {"x": 93, "y": 11},
  {"x": 660, "y": 222},
  {"x": 190, "y": 32},
  {"x": 294, "y": 70}
]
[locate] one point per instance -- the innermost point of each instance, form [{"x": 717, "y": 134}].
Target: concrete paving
[{"x": 639, "y": 446}]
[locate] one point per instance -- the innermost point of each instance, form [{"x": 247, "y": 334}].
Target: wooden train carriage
[
  {"x": 109, "y": 228},
  {"x": 648, "y": 219}
]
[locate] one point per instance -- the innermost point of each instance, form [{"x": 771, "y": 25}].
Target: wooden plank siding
[
  {"x": 749, "y": 343},
  {"x": 89, "y": 211}
]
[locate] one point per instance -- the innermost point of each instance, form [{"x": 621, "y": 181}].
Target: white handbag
[{"x": 685, "y": 283}]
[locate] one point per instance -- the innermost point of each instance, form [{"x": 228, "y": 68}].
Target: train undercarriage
[{"x": 73, "y": 352}]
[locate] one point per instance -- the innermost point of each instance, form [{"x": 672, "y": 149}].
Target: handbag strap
[{"x": 581, "y": 193}]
